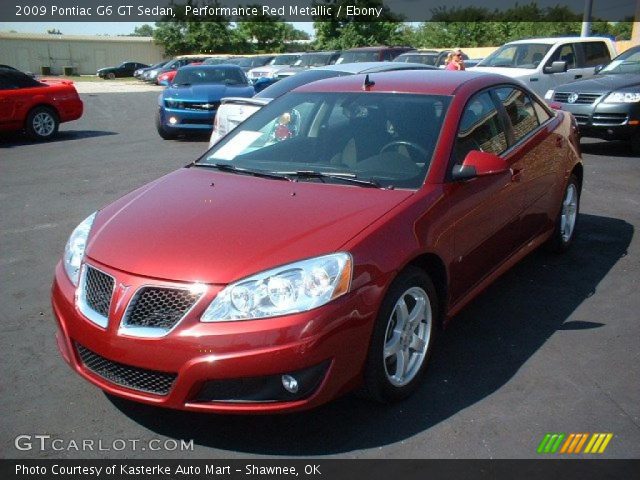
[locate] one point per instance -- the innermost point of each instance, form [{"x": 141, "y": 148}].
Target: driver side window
[
  {"x": 480, "y": 129},
  {"x": 565, "y": 53}
]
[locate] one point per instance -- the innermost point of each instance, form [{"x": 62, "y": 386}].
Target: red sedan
[
  {"x": 319, "y": 246},
  {"x": 38, "y": 107}
]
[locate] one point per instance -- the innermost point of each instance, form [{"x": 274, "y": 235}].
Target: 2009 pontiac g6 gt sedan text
[{"x": 319, "y": 246}]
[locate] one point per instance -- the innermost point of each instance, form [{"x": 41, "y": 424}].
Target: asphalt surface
[{"x": 553, "y": 346}]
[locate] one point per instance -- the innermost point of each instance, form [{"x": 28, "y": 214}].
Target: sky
[{"x": 98, "y": 28}]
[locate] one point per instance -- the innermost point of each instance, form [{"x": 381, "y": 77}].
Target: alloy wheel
[{"x": 407, "y": 336}]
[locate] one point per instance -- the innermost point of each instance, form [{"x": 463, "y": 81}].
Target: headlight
[
  {"x": 623, "y": 97},
  {"x": 74, "y": 250},
  {"x": 549, "y": 94},
  {"x": 292, "y": 288}
]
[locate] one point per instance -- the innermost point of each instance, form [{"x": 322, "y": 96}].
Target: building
[{"x": 30, "y": 51}]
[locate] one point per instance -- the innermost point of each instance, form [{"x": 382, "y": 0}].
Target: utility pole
[
  {"x": 635, "y": 32},
  {"x": 586, "y": 18}
]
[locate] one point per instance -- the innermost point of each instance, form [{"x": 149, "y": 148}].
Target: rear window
[
  {"x": 595, "y": 53},
  {"x": 287, "y": 84}
]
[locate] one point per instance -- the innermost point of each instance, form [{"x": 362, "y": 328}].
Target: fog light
[
  {"x": 173, "y": 120},
  {"x": 290, "y": 384}
]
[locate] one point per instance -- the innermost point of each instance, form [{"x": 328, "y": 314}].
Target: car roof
[
  {"x": 203, "y": 66},
  {"x": 424, "y": 81},
  {"x": 554, "y": 40},
  {"x": 364, "y": 67}
]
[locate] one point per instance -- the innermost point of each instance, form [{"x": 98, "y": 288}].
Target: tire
[
  {"x": 111, "y": 75},
  {"x": 162, "y": 131},
  {"x": 42, "y": 123},
  {"x": 565, "y": 229},
  {"x": 383, "y": 382}
]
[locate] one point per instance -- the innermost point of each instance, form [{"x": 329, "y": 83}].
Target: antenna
[{"x": 367, "y": 82}]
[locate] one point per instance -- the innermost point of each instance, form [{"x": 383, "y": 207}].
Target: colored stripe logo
[{"x": 573, "y": 443}]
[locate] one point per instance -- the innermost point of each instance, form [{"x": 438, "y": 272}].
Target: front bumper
[
  {"x": 335, "y": 336},
  {"x": 606, "y": 120},
  {"x": 187, "y": 120}
]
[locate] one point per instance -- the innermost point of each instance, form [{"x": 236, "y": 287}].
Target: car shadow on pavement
[
  {"x": 484, "y": 347},
  {"x": 610, "y": 148},
  {"x": 20, "y": 139}
]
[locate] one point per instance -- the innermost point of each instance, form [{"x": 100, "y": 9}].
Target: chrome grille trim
[
  {"x": 135, "y": 378},
  {"x": 92, "y": 292},
  {"x": 583, "y": 98},
  {"x": 161, "y": 317}
]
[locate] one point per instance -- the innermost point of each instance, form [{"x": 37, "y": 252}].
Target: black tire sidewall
[
  {"x": 377, "y": 385},
  {"x": 161, "y": 130},
  {"x": 29, "y": 123}
]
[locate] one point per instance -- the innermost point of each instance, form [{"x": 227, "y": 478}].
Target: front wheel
[
  {"x": 402, "y": 337},
  {"x": 566, "y": 223},
  {"x": 111, "y": 75}
]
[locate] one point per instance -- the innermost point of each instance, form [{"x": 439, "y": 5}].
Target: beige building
[{"x": 29, "y": 51}]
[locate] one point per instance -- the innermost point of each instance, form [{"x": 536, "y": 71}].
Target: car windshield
[
  {"x": 285, "y": 60},
  {"x": 208, "y": 75},
  {"x": 314, "y": 60},
  {"x": 628, "y": 62},
  {"x": 215, "y": 61},
  {"x": 517, "y": 55},
  {"x": 359, "y": 56},
  {"x": 429, "y": 59},
  {"x": 380, "y": 139}
]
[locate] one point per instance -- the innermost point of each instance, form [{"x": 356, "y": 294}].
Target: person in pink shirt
[{"x": 454, "y": 60}]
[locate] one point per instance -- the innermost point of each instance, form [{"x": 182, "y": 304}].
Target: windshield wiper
[
  {"x": 242, "y": 171},
  {"x": 344, "y": 176}
]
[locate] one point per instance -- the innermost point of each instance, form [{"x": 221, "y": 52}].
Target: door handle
[{"x": 577, "y": 76}]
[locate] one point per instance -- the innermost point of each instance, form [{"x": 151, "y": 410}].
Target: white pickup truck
[{"x": 544, "y": 63}]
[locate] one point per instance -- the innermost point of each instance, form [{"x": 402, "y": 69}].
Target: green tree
[
  {"x": 142, "y": 31},
  {"x": 348, "y": 32}
]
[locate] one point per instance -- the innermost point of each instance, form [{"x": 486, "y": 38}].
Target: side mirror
[
  {"x": 479, "y": 164},
  {"x": 597, "y": 69},
  {"x": 556, "y": 67}
]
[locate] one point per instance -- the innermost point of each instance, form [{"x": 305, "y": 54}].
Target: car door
[
  {"x": 565, "y": 52},
  {"x": 487, "y": 208},
  {"x": 537, "y": 150},
  {"x": 9, "y": 95}
]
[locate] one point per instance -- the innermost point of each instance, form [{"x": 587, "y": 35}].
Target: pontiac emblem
[{"x": 572, "y": 98}]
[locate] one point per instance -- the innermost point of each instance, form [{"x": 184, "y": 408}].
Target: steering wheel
[{"x": 405, "y": 143}]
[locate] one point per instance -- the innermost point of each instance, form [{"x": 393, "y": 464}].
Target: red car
[
  {"x": 319, "y": 246},
  {"x": 36, "y": 106},
  {"x": 166, "y": 78}
]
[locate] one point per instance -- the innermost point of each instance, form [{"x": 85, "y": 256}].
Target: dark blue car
[{"x": 189, "y": 104}]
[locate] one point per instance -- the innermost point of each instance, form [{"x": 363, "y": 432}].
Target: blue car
[{"x": 190, "y": 103}]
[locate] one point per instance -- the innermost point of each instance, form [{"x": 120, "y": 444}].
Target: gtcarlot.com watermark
[{"x": 46, "y": 443}]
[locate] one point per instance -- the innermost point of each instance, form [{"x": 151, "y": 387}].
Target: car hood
[
  {"x": 602, "y": 83},
  {"x": 269, "y": 69},
  {"x": 198, "y": 224},
  {"x": 106, "y": 69},
  {"x": 507, "y": 72},
  {"x": 207, "y": 92}
]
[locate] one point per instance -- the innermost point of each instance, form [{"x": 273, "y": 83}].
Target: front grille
[
  {"x": 197, "y": 121},
  {"x": 583, "y": 98},
  {"x": 609, "y": 119},
  {"x": 98, "y": 290},
  {"x": 149, "y": 381},
  {"x": 581, "y": 118},
  {"x": 207, "y": 106},
  {"x": 159, "y": 307}
]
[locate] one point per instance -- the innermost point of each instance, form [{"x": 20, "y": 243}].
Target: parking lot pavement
[
  {"x": 551, "y": 347},
  {"x": 116, "y": 86}
]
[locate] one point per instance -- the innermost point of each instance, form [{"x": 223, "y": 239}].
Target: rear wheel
[
  {"x": 635, "y": 143},
  {"x": 42, "y": 123},
  {"x": 402, "y": 337},
  {"x": 566, "y": 223},
  {"x": 162, "y": 131}
]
